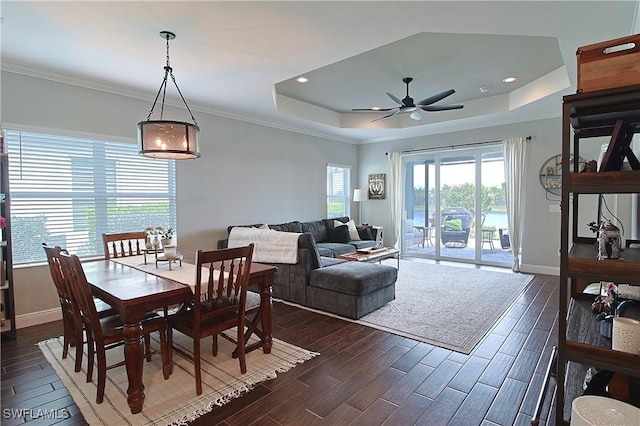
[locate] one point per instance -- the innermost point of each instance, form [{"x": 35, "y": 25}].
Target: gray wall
[
  {"x": 247, "y": 173},
  {"x": 250, "y": 173},
  {"x": 541, "y": 229}
]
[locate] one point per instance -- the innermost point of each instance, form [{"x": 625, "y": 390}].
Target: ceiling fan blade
[
  {"x": 395, "y": 99},
  {"x": 416, "y": 115},
  {"x": 372, "y": 109},
  {"x": 440, "y": 107},
  {"x": 386, "y": 116},
  {"x": 436, "y": 98}
]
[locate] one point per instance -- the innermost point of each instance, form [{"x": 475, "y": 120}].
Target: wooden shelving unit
[
  {"x": 580, "y": 344},
  {"x": 7, "y": 316}
]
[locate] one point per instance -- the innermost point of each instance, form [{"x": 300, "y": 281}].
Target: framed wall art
[{"x": 377, "y": 186}]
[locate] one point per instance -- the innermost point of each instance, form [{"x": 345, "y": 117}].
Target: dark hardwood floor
[{"x": 363, "y": 376}]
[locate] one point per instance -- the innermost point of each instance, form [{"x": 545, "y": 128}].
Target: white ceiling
[{"x": 239, "y": 59}]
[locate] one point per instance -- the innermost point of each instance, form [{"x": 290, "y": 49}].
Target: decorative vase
[
  {"x": 148, "y": 243},
  {"x": 156, "y": 242},
  {"x": 166, "y": 241}
]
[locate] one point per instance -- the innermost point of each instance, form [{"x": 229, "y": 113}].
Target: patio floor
[{"x": 495, "y": 255}]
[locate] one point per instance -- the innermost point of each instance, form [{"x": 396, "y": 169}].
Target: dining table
[{"x": 133, "y": 292}]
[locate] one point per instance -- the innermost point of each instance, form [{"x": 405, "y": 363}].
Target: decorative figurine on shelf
[{"x": 608, "y": 238}]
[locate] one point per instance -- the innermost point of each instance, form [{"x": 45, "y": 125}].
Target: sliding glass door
[{"x": 454, "y": 206}]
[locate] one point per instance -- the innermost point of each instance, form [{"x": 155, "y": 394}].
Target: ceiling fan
[{"x": 408, "y": 107}]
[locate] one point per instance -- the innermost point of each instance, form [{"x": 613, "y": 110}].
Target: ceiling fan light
[{"x": 416, "y": 115}]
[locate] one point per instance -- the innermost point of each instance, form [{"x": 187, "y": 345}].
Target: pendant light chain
[{"x": 163, "y": 89}]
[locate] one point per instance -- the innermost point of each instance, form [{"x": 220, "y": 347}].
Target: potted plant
[{"x": 166, "y": 235}]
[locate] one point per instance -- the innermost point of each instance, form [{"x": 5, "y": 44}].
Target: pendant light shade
[{"x": 167, "y": 139}]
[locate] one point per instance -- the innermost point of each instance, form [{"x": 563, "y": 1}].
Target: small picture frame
[{"x": 377, "y": 183}]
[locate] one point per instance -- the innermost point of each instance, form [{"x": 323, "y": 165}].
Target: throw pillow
[
  {"x": 365, "y": 233},
  {"x": 351, "y": 225},
  {"x": 339, "y": 234},
  {"x": 453, "y": 225}
]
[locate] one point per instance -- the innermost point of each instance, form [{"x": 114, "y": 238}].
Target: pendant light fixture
[{"x": 167, "y": 139}]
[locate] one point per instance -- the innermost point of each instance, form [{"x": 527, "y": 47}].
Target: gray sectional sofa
[{"x": 319, "y": 280}]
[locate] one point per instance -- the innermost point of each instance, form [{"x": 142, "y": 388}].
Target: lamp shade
[
  {"x": 359, "y": 195},
  {"x": 169, "y": 140}
]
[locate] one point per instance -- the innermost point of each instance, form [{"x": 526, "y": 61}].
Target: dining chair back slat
[
  {"x": 123, "y": 244},
  {"x": 219, "y": 306}
]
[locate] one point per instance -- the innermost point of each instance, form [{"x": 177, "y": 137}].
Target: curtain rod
[{"x": 528, "y": 138}]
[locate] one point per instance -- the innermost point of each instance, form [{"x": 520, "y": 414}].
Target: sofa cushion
[
  {"x": 362, "y": 244},
  {"x": 325, "y": 251},
  {"x": 339, "y": 234},
  {"x": 335, "y": 249},
  {"x": 318, "y": 229},
  {"x": 355, "y": 278},
  {"x": 328, "y": 261},
  {"x": 306, "y": 241},
  {"x": 294, "y": 226}
]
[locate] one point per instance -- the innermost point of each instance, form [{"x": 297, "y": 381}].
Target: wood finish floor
[{"x": 363, "y": 376}]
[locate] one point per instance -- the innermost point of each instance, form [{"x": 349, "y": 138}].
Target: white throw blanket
[{"x": 270, "y": 246}]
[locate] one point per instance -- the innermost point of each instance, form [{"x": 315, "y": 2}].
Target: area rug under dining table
[{"x": 172, "y": 401}]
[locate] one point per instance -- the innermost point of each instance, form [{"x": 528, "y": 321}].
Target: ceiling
[{"x": 240, "y": 59}]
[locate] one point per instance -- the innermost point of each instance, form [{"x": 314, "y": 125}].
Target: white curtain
[
  {"x": 395, "y": 195},
  {"x": 514, "y": 152}
]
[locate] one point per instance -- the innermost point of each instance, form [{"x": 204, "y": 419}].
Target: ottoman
[{"x": 351, "y": 289}]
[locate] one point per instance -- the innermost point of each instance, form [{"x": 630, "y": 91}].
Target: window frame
[
  {"x": 338, "y": 194},
  {"x": 108, "y": 188}
]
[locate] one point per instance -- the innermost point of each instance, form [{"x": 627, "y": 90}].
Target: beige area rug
[
  {"x": 172, "y": 401},
  {"x": 447, "y": 306}
]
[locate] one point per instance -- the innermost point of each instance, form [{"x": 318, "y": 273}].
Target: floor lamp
[{"x": 359, "y": 196}]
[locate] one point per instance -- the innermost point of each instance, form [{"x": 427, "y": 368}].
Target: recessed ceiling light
[
  {"x": 375, "y": 108},
  {"x": 485, "y": 89},
  {"x": 509, "y": 79},
  {"x": 302, "y": 79}
]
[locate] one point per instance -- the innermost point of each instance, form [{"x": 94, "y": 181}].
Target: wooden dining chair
[
  {"x": 123, "y": 244},
  {"x": 222, "y": 278},
  {"x": 107, "y": 333},
  {"x": 71, "y": 321}
]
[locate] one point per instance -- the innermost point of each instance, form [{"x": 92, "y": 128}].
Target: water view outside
[{"x": 497, "y": 219}]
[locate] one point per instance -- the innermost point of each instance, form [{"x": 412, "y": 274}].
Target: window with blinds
[
  {"x": 338, "y": 187},
  {"x": 68, "y": 191}
]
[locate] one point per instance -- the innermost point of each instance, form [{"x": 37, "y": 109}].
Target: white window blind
[
  {"x": 68, "y": 191},
  {"x": 338, "y": 188}
]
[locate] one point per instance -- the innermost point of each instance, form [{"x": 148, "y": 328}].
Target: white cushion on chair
[{"x": 253, "y": 301}]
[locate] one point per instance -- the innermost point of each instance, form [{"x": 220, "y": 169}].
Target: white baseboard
[
  {"x": 35, "y": 318},
  {"x": 538, "y": 269}
]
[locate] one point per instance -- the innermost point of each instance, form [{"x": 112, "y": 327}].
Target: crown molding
[{"x": 46, "y": 74}]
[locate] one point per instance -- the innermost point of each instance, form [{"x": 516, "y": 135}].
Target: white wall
[{"x": 250, "y": 173}]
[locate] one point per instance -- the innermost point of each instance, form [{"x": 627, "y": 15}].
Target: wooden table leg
[
  {"x": 266, "y": 309},
  {"x": 133, "y": 350}
]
